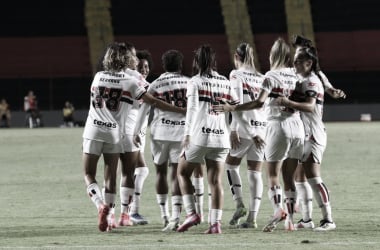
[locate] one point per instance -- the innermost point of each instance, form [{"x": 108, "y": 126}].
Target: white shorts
[
  {"x": 315, "y": 149},
  {"x": 248, "y": 147},
  {"x": 284, "y": 139},
  {"x": 99, "y": 147},
  {"x": 164, "y": 151},
  {"x": 197, "y": 154},
  {"x": 128, "y": 145}
]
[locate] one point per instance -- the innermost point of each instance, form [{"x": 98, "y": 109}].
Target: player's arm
[
  {"x": 307, "y": 106},
  {"x": 157, "y": 103},
  {"x": 258, "y": 103}
]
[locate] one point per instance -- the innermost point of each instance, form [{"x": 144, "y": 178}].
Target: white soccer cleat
[
  {"x": 301, "y": 224},
  {"x": 171, "y": 226},
  {"x": 325, "y": 225}
]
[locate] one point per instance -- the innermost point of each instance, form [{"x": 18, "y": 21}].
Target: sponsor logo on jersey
[
  {"x": 170, "y": 122},
  {"x": 212, "y": 131},
  {"x": 258, "y": 123},
  {"x": 105, "y": 124}
]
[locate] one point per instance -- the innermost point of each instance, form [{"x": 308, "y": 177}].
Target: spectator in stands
[
  {"x": 33, "y": 116},
  {"x": 5, "y": 114},
  {"x": 68, "y": 114}
]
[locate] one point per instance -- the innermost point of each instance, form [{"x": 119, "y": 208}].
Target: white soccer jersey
[
  {"x": 280, "y": 82},
  {"x": 247, "y": 85},
  {"x": 206, "y": 127},
  {"x": 135, "y": 105},
  {"x": 314, "y": 128},
  {"x": 171, "y": 88},
  {"x": 111, "y": 94}
]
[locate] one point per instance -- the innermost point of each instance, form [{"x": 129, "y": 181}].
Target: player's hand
[
  {"x": 235, "y": 139},
  {"x": 223, "y": 107},
  {"x": 186, "y": 142},
  {"x": 137, "y": 140},
  {"x": 281, "y": 101},
  {"x": 259, "y": 142},
  {"x": 337, "y": 93}
]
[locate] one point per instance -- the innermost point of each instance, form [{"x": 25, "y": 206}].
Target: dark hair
[
  {"x": 301, "y": 41},
  {"x": 172, "y": 61},
  {"x": 310, "y": 53},
  {"x": 204, "y": 60},
  {"x": 145, "y": 54}
]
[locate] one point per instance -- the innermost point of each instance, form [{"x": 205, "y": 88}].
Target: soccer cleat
[
  {"x": 248, "y": 224},
  {"x": 214, "y": 229},
  {"x": 279, "y": 216},
  {"x": 165, "y": 221},
  {"x": 138, "y": 219},
  {"x": 289, "y": 226},
  {"x": 102, "y": 217},
  {"x": 171, "y": 226},
  {"x": 325, "y": 225},
  {"x": 191, "y": 220},
  {"x": 301, "y": 224},
  {"x": 239, "y": 212},
  {"x": 124, "y": 220}
]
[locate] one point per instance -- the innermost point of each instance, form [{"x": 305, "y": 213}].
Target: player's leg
[
  {"x": 304, "y": 199},
  {"x": 199, "y": 189}
]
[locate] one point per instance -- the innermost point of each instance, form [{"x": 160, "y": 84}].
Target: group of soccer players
[{"x": 276, "y": 118}]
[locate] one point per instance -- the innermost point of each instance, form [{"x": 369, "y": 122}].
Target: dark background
[{"x": 44, "y": 45}]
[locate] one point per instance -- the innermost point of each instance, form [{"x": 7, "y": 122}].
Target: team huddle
[{"x": 210, "y": 122}]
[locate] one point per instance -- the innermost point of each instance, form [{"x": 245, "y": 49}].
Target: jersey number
[
  {"x": 177, "y": 98},
  {"x": 109, "y": 96}
]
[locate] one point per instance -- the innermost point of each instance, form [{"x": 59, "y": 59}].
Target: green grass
[{"x": 45, "y": 205}]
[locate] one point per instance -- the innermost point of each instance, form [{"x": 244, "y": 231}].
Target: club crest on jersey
[
  {"x": 105, "y": 124},
  {"x": 212, "y": 131}
]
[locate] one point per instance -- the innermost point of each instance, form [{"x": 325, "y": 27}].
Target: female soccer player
[
  {"x": 144, "y": 66},
  {"x": 247, "y": 82},
  {"x": 206, "y": 137},
  {"x": 110, "y": 91},
  {"x": 285, "y": 133},
  {"x": 309, "y": 96},
  {"x": 131, "y": 151},
  {"x": 167, "y": 129}
]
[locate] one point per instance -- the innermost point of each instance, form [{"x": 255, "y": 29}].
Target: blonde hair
[
  {"x": 115, "y": 58},
  {"x": 279, "y": 56}
]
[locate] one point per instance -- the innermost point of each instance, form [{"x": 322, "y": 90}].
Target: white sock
[
  {"x": 216, "y": 216},
  {"x": 126, "y": 195},
  {"x": 255, "y": 182},
  {"x": 199, "y": 190},
  {"x": 209, "y": 204},
  {"x": 162, "y": 201},
  {"x": 176, "y": 206},
  {"x": 189, "y": 203},
  {"x": 322, "y": 197},
  {"x": 305, "y": 198},
  {"x": 95, "y": 195},
  {"x": 109, "y": 199},
  {"x": 275, "y": 197},
  {"x": 290, "y": 201},
  {"x": 234, "y": 180},
  {"x": 140, "y": 176}
]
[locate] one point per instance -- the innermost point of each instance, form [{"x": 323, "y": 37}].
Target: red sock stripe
[{"x": 323, "y": 192}]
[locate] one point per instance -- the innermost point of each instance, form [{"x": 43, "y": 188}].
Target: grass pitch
[{"x": 45, "y": 205}]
